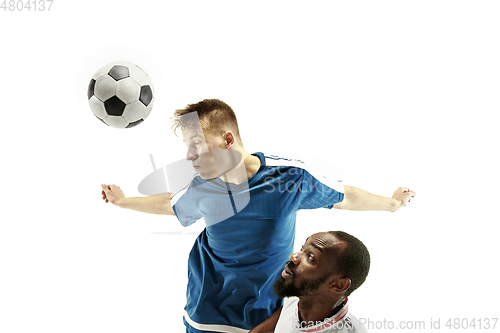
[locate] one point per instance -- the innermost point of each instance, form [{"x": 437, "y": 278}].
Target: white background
[{"x": 382, "y": 94}]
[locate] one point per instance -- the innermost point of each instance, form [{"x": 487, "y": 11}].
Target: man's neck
[
  {"x": 246, "y": 168},
  {"x": 314, "y": 310},
  {"x": 252, "y": 164}
]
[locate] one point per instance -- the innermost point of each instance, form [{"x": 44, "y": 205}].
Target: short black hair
[{"x": 354, "y": 261}]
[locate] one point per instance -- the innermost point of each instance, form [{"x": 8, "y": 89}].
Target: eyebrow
[
  {"x": 193, "y": 137},
  {"x": 316, "y": 246}
]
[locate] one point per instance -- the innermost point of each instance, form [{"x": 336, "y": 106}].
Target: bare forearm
[
  {"x": 361, "y": 200},
  {"x": 156, "y": 204}
]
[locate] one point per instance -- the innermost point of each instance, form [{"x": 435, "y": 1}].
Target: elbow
[
  {"x": 351, "y": 199},
  {"x": 341, "y": 205}
]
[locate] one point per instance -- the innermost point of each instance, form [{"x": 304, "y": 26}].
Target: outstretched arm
[
  {"x": 361, "y": 200},
  {"x": 269, "y": 324},
  {"x": 155, "y": 204}
]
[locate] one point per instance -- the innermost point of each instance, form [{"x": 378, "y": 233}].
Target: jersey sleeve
[
  {"x": 319, "y": 192},
  {"x": 184, "y": 206}
]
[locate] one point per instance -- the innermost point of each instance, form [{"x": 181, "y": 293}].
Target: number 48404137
[{"x": 26, "y": 5}]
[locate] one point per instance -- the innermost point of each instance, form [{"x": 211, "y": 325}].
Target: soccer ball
[{"x": 121, "y": 94}]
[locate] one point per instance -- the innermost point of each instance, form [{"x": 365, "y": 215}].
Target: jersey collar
[{"x": 328, "y": 322}]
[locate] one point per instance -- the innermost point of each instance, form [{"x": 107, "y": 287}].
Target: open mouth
[{"x": 286, "y": 272}]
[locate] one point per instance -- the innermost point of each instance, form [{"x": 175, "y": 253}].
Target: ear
[
  {"x": 341, "y": 285},
  {"x": 229, "y": 140}
]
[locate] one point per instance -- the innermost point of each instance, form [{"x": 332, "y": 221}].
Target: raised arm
[
  {"x": 155, "y": 204},
  {"x": 361, "y": 200}
]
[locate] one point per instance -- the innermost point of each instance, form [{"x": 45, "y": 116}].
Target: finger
[
  {"x": 404, "y": 189},
  {"x": 107, "y": 188}
]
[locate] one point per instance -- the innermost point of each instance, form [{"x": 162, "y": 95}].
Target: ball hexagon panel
[
  {"x": 134, "y": 111},
  {"x": 98, "y": 107},
  {"x": 128, "y": 90},
  {"x": 105, "y": 87},
  {"x": 140, "y": 76},
  {"x": 116, "y": 121}
]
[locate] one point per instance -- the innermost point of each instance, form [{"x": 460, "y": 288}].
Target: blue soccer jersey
[{"x": 249, "y": 234}]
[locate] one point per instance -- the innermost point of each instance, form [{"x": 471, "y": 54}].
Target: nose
[
  {"x": 191, "y": 154},
  {"x": 294, "y": 258}
]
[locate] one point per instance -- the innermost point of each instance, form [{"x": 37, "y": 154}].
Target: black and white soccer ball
[{"x": 121, "y": 94}]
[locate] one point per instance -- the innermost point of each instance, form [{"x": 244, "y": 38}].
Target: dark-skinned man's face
[{"x": 308, "y": 270}]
